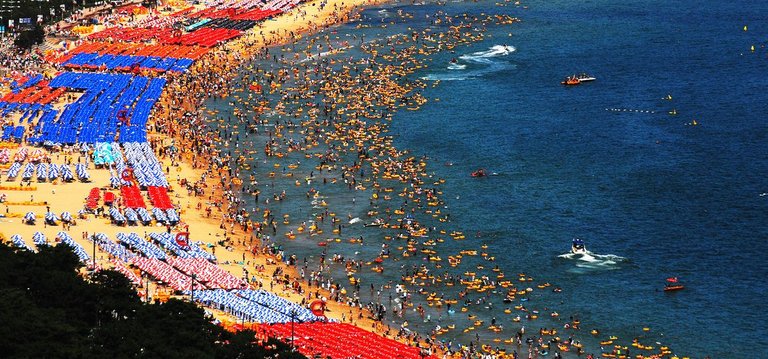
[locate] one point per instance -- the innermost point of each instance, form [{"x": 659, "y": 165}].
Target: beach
[
  {"x": 235, "y": 247},
  {"x": 228, "y": 208},
  {"x": 418, "y": 169}
]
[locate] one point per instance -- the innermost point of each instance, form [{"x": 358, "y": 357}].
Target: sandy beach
[{"x": 234, "y": 248}]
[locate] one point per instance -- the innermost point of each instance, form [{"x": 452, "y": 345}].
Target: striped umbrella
[
  {"x": 30, "y": 218},
  {"x": 39, "y": 239}
]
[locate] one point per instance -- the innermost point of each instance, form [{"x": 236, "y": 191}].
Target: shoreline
[
  {"x": 180, "y": 116},
  {"x": 282, "y": 30},
  {"x": 188, "y": 164}
]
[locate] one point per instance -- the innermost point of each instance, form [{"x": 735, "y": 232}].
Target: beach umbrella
[
  {"x": 30, "y": 218},
  {"x": 39, "y": 239},
  {"x": 51, "y": 218},
  {"x": 66, "y": 217},
  {"x": 159, "y": 215},
  {"x": 66, "y": 173},
  {"x": 19, "y": 242},
  {"x": 53, "y": 171},
  {"x": 117, "y": 217},
  {"x": 172, "y": 216},
  {"x": 42, "y": 172},
  {"x": 82, "y": 173},
  {"x": 13, "y": 171},
  {"x": 115, "y": 182},
  {"x": 131, "y": 215},
  {"x": 5, "y": 156},
  {"x": 29, "y": 171},
  {"x": 76, "y": 247}
]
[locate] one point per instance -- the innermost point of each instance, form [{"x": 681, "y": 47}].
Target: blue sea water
[
  {"x": 606, "y": 162},
  {"x": 652, "y": 195}
]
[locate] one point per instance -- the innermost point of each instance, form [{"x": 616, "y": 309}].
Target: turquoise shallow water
[{"x": 603, "y": 161}]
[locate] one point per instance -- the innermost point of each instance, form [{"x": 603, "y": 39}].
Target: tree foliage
[
  {"x": 29, "y": 38},
  {"x": 49, "y": 310}
]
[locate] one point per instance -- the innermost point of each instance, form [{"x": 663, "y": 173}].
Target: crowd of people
[{"x": 288, "y": 102}]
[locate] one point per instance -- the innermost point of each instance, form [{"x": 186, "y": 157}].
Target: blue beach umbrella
[
  {"x": 53, "y": 171},
  {"x": 13, "y": 171},
  {"x": 146, "y": 219},
  {"x": 19, "y": 242},
  {"x": 131, "y": 215},
  {"x": 30, "y": 218},
  {"x": 39, "y": 239},
  {"x": 42, "y": 172},
  {"x": 51, "y": 218}
]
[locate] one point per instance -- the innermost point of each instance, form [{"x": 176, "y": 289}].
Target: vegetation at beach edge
[{"x": 49, "y": 309}]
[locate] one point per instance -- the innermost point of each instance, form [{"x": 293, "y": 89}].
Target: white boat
[
  {"x": 577, "y": 247},
  {"x": 585, "y": 78}
]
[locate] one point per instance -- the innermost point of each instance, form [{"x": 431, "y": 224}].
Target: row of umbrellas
[
  {"x": 206, "y": 272},
  {"x": 113, "y": 248},
  {"x": 50, "y": 218},
  {"x": 45, "y": 171},
  {"x": 76, "y": 247},
  {"x": 40, "y": 240},
  {"x": 132, "y": 240},
  {"x": 146, "y": 168},
  {"x": 260, "y": 309},
  {"x": 192, "y": 250},
  {"x": 135, "y": 215}
]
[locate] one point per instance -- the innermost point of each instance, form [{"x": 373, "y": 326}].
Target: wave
[
  {"x": 594, "y": 261},
  {"x": 444, "y": 77},
  {"x": 485, "y": 56},
  {"x": 326, "y": 53}
]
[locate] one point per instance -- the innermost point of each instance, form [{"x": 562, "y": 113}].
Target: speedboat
[
  {"x": 571, "y": 81},
  {"x": 577, "y": 247},
  {"x": 583, "y": 77},
  {"x": 577, "y": 79}
]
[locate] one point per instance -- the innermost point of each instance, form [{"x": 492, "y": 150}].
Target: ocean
[{"x": 659, "y": 166}]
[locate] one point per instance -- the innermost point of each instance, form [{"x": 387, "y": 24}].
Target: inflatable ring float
[{"x": 318, "y": 308}]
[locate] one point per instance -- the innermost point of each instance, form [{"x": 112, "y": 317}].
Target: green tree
[
  {"x": 49, "y": 309},
  {"x": 29, "y": 38}
]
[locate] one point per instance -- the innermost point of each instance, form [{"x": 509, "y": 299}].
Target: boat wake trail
[
  {"x": 594, "y": 262},
  {"x": 480, "y": 63},
  {"x": 484, "y": 57}
]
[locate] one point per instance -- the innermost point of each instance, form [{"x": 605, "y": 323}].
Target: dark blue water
[
  {"x": 652, "y": 195},
  {"x": 672, "y": 198}
]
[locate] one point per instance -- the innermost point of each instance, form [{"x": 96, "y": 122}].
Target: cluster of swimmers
[{"x": 325, "y": 119}]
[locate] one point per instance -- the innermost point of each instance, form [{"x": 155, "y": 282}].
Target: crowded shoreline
[
  {"x": 194, "y": 160},
  {"x": 265, "y": 266}
]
